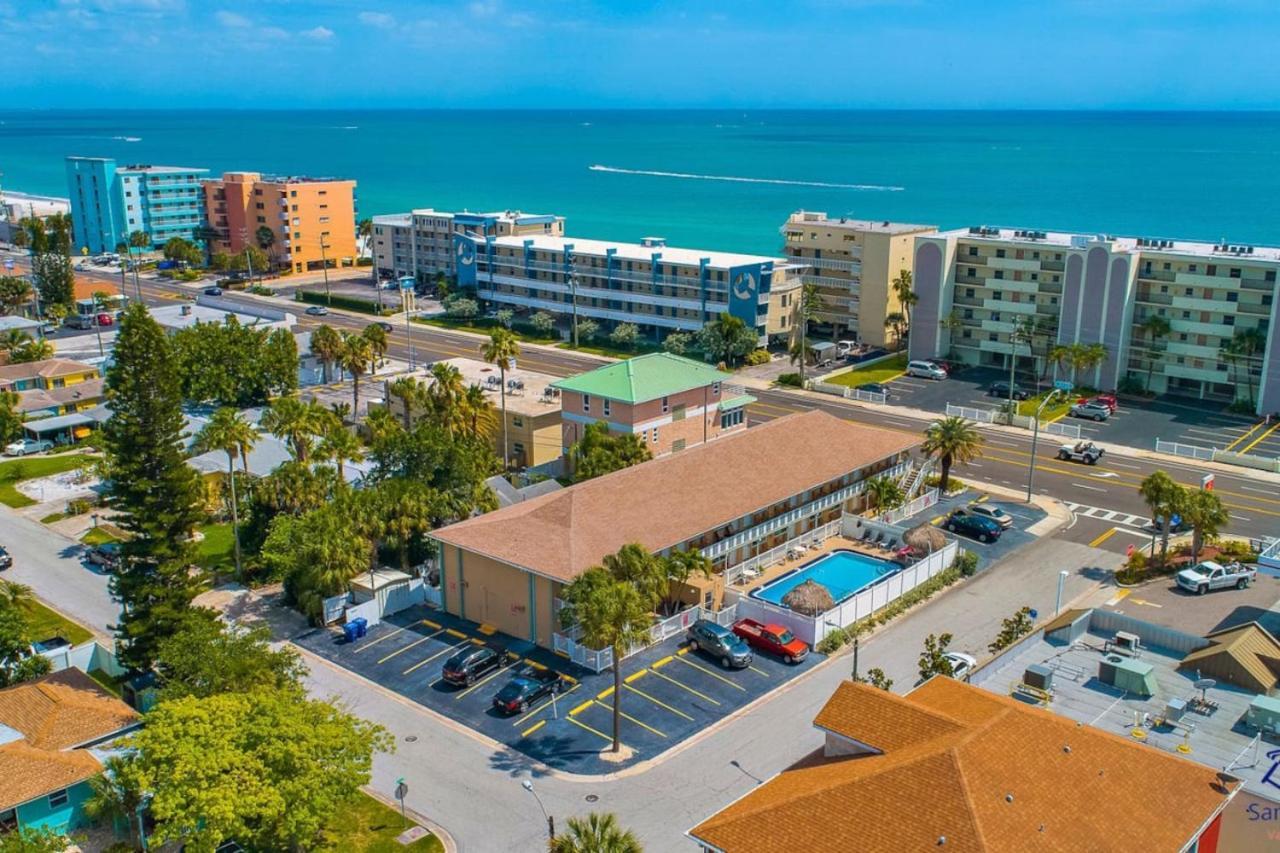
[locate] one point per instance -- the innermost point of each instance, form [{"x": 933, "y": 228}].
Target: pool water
[{"x": 843, "y": 573}]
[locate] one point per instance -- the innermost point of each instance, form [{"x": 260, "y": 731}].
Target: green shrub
[
  {"x": 78, "y": 506},
  {"x": 833, "y": 641},
  {"x": 943, "y": 579},
  {"x": 364, "y": 262},
  {"x": 791, "y": 380},
  {"x": 259, "y": 290},
  {"x": 966, "y": 563},
  {"x": 760, "y": 356},
  {"x": 1237, "y": 549},
  {"x": 1243, "y": 407},
  {"x": 543, "y": 323},
  {"x": 338, "y": 300}
]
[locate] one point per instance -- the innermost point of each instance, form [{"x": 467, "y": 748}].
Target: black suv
[
  {"x": 464, "y": 668},
  {"x": 526, "y": 688},
  {"x": 1001, "y": 389}
]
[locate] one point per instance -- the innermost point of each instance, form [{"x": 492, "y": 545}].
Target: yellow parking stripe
[
  {"x": 1260, "y": 438},
  {"x": 1103, "y": 538},
  {"x": 545, "y": 705},
  {"x": 426, "y": 661},
  {"x": 410, "y": 646},
  {"x": 588, "y": 728},
  {"x": 584, "y": 706},
  {"x": 713, "y": 674},
  {"x": 685, "y": 687},
  {"x": 659, "y": 702},
  {"x": 624, "y": 715},
  {"x": 1245, "y": 437},
  {"x": 661, "y": 663},
  {"x": 533, "y": 728},
  {"x": 487, "y": 630},
  {"x": 372, "y": 643},
  {"x": 482, "y": 682},
  {"x": 683, "y": 651},
  {"x": 604, "y": 693},
  {"x": 635, "y": 676},
  {"x": 431, "y": 624},
  {"x": 455, "y": 633}
]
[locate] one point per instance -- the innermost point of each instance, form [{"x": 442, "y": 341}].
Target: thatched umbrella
[
  {"x": 924, "y": 539},
  {"x": 809, "y": 598}
]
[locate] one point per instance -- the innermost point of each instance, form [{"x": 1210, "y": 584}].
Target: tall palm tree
[
  {"x": 809, "y": 306},
  {"x": 116, "y": 796},
  {"x": 952, "y": 440},
  {"x": 32, "y": 350},
  {"x": 482, "y": 420},
  {"x": 1089, "y": 356},
  {"x": 356, "y": 358},
  {"x": 411, "y": 393},
  {"x": 293, "y": 422},
  {"x": 339, "y": 445},
  {"x": 1246, "y": 344},
  {"x": 895, "y": 321},
  {"x": 1204, "y": 512},
  {"x": 326, "y": 345},
  {"x": 266, "y": 239},
  {"x": 596, "y": 833},
  {"x": 1154, "y": 329},
  {"x": 378, "y": 341},
  {"x": 445, "y": 398},
  {"x": 633, "y": 564},
  {"x": 1165, "y": 498},
  {"x": 14, "y": 293},
  {"x": 381, "y": 424},
  {"x": 14, "y": 594},
  {"x": 1060, "y": 356},
  {"x": 410, "y": 508},
  {"x": 502, "y": 349},
  {"x": 903, "y": 290},
  {"x": 13, "y": 339},
  {"x": 678, "y": 568},
  {"x": 228, "y": 431},
  {"x": 611, "y": 614}
]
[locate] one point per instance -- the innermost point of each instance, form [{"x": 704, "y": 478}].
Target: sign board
[
  {"x": 402, "y": 790},
  {"x": 1206, "y": 482},
  {"x": 406, "y": 283},
  {"x": 1063, "y": 385},
  {"x": 511, "y": 364}
]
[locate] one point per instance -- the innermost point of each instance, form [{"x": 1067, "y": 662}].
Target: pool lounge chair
[
  {"x": 891, "y": 545},
  {"x": 878, "y": 539}
]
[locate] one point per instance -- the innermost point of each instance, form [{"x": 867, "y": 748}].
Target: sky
[{"x": 952, "y": 54}]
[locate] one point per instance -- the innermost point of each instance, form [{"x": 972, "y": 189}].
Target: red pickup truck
[{"x": 774, "y": 639}]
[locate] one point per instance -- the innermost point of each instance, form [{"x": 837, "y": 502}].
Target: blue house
[{"x": 51, "y": 731}]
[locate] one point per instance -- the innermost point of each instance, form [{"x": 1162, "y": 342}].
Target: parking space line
[
  {"x": 1256, "y": 427},
  {"x": 483, "y": 681},
  {"x": 588, "y": 728},
  {"x": 1103, "y": 538},
  {"x": 434, "y": 656},
  {"x": 761, "y": 671},
  {"x": 661, "y": 663},
  {"x": 410, "y": 646},
  {"x": 1260, "y": 438},
  {"x": 487, "y": 630},
  {"x": 394, "y": 633},
  {"x": 624, "y": 715},
  {"x": 684, "y": 686},
  {"x": 584, "y": 706},
  {"x": 713, "y": 674},
  {"x": 658, "y": 702},
  {"x": 545, "y": 705},
  {"x": 533, "y": 728}
]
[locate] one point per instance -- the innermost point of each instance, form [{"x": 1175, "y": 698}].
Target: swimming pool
[{"x": 843, "y": 572}]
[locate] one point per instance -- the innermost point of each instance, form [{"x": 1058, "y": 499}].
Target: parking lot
[
  {"x": 1163, "y": 602},
  {"x": 669, "y": 692},
  {"x": 1013, "y": 538}
]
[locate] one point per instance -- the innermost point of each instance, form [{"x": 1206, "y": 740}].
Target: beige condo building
[{"x": 421, "y": 243}]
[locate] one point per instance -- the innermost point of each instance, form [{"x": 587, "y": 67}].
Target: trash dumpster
[
  {"x": 350, "y": 631},
  {"x": 362, "y": 625}
]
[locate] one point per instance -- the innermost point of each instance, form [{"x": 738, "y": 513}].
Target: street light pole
[
  {"x": 551, "y": 821},
  {"x": 1035, "y": 437}
]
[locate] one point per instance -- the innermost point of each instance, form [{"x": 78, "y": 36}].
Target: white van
[
  {"x": 843, "y": 348},
  {"x": 925, "y": 370}
]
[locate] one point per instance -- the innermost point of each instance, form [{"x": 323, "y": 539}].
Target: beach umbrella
[
  {"x": 924, "y": 539},
  {"x": 809, "y": 598}
]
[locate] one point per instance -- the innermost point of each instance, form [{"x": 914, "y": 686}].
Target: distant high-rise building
[
  {"x": 110, "y": 202},
  {"x": 420, "y": 243}
]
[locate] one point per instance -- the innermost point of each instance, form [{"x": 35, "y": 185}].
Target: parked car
[
  {"x": 1001, "y": 390},
  {"x": 774, "y": 639},
  {"x": 875, "y": 388},
  {"x": 105, "y": 319},
  {"x": 948, "y": 366},
  {"x": 527, "y": 687},
  {"x": 720, "y": 643},
  {"x": 25, "y": 446},
  {"x": 1090, "y": 411},
  {"x": 989, "y": 511},
  {"x": 318, "y": 311},
  {"x": 106, "y": 555},
  {"x": 1108, "y": 400},
  {"x": 213, "y": 290},
  {"x": 1210, "y": 575},
  {"x": 961, "y": 664},
  {"x": 925, "y": 370},
  {"x": 844, "y": 348},
  {"x": 6, "y": 559},
  {"x": 973, "y": 526},
  {"x": 1082, "y": 451},
  {"x": 1175, "y": 525},
  {"x": 467, "y": 666}
]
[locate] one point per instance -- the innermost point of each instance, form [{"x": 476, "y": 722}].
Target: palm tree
[
  {"x": 952, "y": 439},
  {"x": 14, "y": 594},
  {"x": 13, "y": 339},
  {"x": 378, "y": 342},
  {"x": 895, "y": 320},
  {"x": 1203, "y": 510},
  {"x": 1245, "y": 345},
  {"x": 1165, "y": 498},
  {"x": 482, "y": 419},
  {"x": 339, "y": 445},
  {"x": 410, "y": 508},
  {"x": 381, "y": 424},
  {"x": 14, "y": 293},
  {"x": 32, "y": 350},
  {"x": 502, "y": 349},
  {"x": 678, "y": 568},
  {"x": 1088, "y": 356},
  {"x": 884, "y": 493},
  {"x": 596, "y": 833},
  {"x": 326, "y": 345},
  {"x": 266, "y": 239},
  {"x": 411, "y": 394},
  {"x": 906, "y": 295},
  {"x": 117, "y": 795},
  {"x": 611, "y": 614},
  {"x": 293, "y": 422},
  {"x": 634, "y": 565},
  {"x": 229, "y": 432},
  {"x": 800, "y": 353},
  {"x": 1060, "y": 356},
  {"x": 809, "y": 306},
  {"x": 445, "y": 395},
  {"x": 355, "y": 358},
  {"x": 1155, "y": 328}
]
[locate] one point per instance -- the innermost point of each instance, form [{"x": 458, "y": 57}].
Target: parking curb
[{"x": 446, "y": 840}]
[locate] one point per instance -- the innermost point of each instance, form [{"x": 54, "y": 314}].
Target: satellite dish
[{"x": 1205, "y": 684}]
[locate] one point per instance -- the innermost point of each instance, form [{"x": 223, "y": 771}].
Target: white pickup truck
[{"x": 1210, "y": 575}]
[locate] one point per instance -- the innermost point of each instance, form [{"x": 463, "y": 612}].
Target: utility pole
[
  {"x": 573, "y": 298},
  {"x": 324, "y": 263},
  {"x": 1035, "y": 436}
]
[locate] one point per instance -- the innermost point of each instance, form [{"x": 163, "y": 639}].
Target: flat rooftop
[
  {"x": 1225, "y": 251},
  {"x": 149, "y": 169},
  {"x": 882, "y": 226},
  {"x": 637, "y": 251},
  {"x": 500, "y": 215},
  {"x": 1218, "y": 740},
  {"x": 537, "y": 397},
  {"x": 208, "y": 309}
]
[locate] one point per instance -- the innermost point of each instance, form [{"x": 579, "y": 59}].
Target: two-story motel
[
  {"x": 670, "y": 402},
  {"x": 730, "y": 499},
  {"x": 659, "y": 288},
  {"x": 976, "y": 286}
]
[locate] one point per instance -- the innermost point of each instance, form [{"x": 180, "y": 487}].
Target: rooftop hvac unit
[
  {"x": 1038, "y": 676},
  {"x": 1126, "y": 642},
  {"x": 1107, "y": 669}
]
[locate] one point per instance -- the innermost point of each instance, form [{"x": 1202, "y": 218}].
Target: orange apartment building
[
  {"x": 670, "y": 402},
  {"x": 312, "y": 220}
]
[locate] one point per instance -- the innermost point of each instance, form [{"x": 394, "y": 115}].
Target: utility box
[{"x": 1038, "y": 676}]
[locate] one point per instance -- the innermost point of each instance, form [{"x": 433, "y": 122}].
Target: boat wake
[
  {"x": 741, "y": 180},
  {"x": 128, "y": 138}
]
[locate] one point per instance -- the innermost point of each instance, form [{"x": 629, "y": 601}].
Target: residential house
[{"x": 54, "y": 386}]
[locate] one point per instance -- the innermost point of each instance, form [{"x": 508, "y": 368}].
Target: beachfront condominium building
[
  {"x": 111, "y": 202},
  {"x": 670, "y": 402},
  {"x": 658, "y": 288},
  {"x": 301, "y": 223},
  {"x": 987, "y": 295},
  {"x": 729, "y": 499},
  {"x": 852, "y": 264},
  {"x": 420, "y": 243}
]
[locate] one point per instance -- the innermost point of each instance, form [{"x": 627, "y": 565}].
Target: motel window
[
  {"x": 586, "y": 402},
  {"x": 968, "y": 333},
  {"x": 1233, "y": 297},
  {"x": 973, "y": 251},
  {"x": 1212, "y": 269},
  {"x": 731, "y": 419},
  {"x": 992, "y": 336},
  {"x": 1228, "y": 320},
  {"x": 293, "y": 193},
  {"x": 972, "y": 273},
  {"x": 968, "y": 313},
  {"x": 1235, "y": 272},
  {"x": 1191, "y": 268},
  {"x": 995, "y": 316},
  {"x": 1168, "y": 266},
  {"x": 999, "y": 273},
  {"x": 969, "y": 292},
  {"x": 997, "y": 295},
  {"x": 1270, "y": 276},
  {"x": 715, "y": 388},
  {"x": 666, "y": 405},
  {"x": 999, "y": 253},
  {"x": 604, "y": 408},
  {"x": 58, "y": 799},
  {"x": 517, "y": 421}
]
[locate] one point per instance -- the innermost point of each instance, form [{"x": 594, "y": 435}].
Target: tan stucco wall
[{"x": 494, "y": 593}]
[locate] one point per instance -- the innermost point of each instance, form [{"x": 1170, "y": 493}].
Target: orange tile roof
[
  {"x": 49, "y": 717},
  {"x": 984, "y": 773},
  {"x": 667, "y": 501},
  {"x": 49, "y": 368}
]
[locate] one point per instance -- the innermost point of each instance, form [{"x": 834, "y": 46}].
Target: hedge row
[
  {"x": 338, "y": 300},
  {"x": 943, "y": 579}
]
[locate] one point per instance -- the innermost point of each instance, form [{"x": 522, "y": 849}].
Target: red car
[
  {"x": 774, "y": 639},
  {"x": 1108, "y": 399},
  {"x": 105, "y": 320}
]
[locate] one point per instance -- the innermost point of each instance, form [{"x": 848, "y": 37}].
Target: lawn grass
[
  {"x": 610, "y": 351},
  {"x": 217, "y": 549},
  {"x": 479, "y": 326},
  {"x": 97, "y": 536},
  {"x": 27, "y": 468},
  {"x": 45, "y": 623},
  {"x": 368, "y": 826},
  {"x": 881, "y": 371},
  {"x": 53, "y": 516},
  {"x": 1056, "y": 409}
]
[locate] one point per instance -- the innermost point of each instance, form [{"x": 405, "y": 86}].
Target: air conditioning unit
[
  {"x": 1038, "y": 676},
  {"x": 1107, "y": 669},
  {"x": 1125, "y": 641}
]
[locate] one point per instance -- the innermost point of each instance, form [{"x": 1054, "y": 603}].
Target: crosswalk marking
[{"x": 1102, "y": 514}]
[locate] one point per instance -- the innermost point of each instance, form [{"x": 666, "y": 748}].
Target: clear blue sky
[{"x": 1146, "y": 54}]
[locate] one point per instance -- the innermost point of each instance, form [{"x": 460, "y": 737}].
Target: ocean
[{"x": 721, "y": 179}]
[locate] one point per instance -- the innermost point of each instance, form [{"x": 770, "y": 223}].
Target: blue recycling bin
[
  {"x": 362, "y": 625},
  {"x": 350, "y": 631}
]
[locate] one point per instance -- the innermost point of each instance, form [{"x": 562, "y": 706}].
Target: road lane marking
[
  {"x": 1118, "y": 597},
  {"x": 658, "y": 702},
  {"x": 1144, "y": 602},
  {"x": 1103, "y": 538},
  {"x": 713, "y": 674},
  {"x": 685, "y": 687},
  {"x": 1240, "y": 517},
  {"x": 1090, "y": 488},
  {"x": 533, "y": 728},
  {"x": 426, "y": 661},
  {"x": 1259, "y": 491},
  {"x": 410, "y": 646}
]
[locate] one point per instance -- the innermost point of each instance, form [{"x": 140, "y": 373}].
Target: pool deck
[{"x": 835, "y": 543}]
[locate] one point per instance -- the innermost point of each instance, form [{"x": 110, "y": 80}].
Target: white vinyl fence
[
  {"x": 848, "y": 392},
  {"x": 1191, "y": 451},
  {"x": 748, "y": 569},
  {"x": 919, "y": 505},
  {"x": 1064, "y": 430},
  {"x": 982, "y": 416}
]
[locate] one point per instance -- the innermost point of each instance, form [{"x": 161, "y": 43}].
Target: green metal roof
[{"x": 645, "y": 377}]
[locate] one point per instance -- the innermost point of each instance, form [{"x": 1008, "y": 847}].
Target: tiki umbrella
[
  {"x": 924, "y": 539},
  {"x": 809, "y": 598}
]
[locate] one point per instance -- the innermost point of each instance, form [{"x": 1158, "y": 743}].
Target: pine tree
[{"x": 151, "y": 485}]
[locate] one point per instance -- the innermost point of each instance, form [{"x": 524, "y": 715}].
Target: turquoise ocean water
[{"x": 723, "y": 179}]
